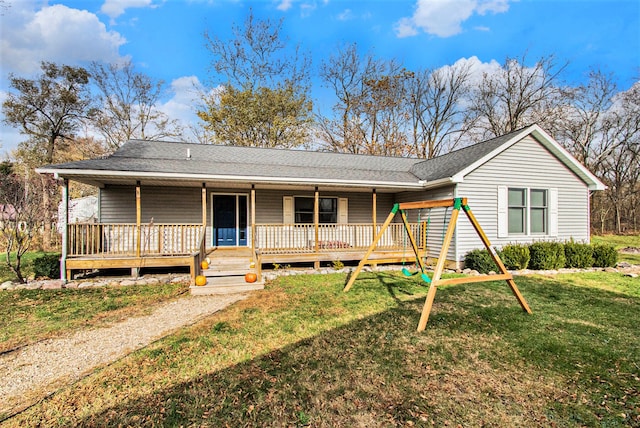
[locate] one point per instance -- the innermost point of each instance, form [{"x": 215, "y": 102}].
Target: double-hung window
[
  {"x": 328, "y": 210},
  {"x": 527, "y": 211}
]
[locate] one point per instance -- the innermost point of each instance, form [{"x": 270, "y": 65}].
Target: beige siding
[{"x": 529, "y": 165}]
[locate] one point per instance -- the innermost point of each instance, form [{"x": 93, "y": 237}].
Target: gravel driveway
[{"x": 34, "y": 371}]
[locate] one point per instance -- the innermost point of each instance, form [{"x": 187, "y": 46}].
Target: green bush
[
  {"x": 604, "y": 255},
  {"x": 479, "y": 260},
  {"x": 515, "y": 256},
  {"x": 546, "y": 255},
  {"x": 578, "y": 255},
  {"x": 47, "y": 265}
]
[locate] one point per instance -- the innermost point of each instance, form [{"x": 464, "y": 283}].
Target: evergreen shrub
[
  {"x": 546, "y": 255},
  {"x": 515, "y": 256},
  {"x": 578, "y": 255},
  {"x": 47, "y": 266}
]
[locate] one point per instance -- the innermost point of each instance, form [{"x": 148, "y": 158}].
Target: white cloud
[
  {"x": 55, "y": 33},
  {"x": 115, "y": 8},
  {"x": 444, "y": 18},
  {"x": 285, "y": 5},
  {"x": 32, "y": 33},
  {"x": 345, "y": 15}
]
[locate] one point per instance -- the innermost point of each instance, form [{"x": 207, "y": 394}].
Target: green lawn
[
  {"x": 27, "y": 316},
  {"x": 303, "y": 353},
  {"x": 620, "y": 242},
  {"x": 27, "y": 265}
]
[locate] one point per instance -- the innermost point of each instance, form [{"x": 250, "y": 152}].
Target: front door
[{"x": 230, "y": 220}]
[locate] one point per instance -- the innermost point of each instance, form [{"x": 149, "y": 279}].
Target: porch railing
[
  {"x": 121, "y": 239},
  {"x": 301, "y": 238}
]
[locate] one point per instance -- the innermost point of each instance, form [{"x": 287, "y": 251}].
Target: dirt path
[{"x": 32, "y": 372}]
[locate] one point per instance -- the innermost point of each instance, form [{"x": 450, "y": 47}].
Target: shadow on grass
[{"x": 481, "y": 361}]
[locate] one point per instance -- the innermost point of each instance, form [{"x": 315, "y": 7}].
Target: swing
[
  {"x": 407, "y": 272},
  {"x": 436, "y": 280}
]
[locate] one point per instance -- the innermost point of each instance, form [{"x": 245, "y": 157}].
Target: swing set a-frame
[{"x": 435, "y": 280}]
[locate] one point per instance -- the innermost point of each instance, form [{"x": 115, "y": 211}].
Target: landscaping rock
[
  {"x": 85, "y": 284},
  {"x": 71, "y": 284},
  {"x": 631, "y": 275},
  {"x": 127, "y": 283},
  {"x": 52, "y": 284},
  {"x": 7, "y": 285}
]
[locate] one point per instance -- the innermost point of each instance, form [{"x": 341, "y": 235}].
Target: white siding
[{"x": 529, "y": 165}]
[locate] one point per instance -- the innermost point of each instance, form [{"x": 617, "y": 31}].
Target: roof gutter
[{"x": 200, "y": 177}]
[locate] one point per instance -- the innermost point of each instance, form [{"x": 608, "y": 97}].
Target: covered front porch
[{"x": 141, "y": 244}]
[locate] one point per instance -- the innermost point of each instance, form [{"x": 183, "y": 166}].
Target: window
[
  {"x": 539, "y": 207},
  {"x": 328, "y": 212},
  {"x": 517, "y": 210},
  {"x": 528, "y": 211}
]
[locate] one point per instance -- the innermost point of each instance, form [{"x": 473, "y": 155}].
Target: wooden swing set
[{"x": 435, "y": 280}]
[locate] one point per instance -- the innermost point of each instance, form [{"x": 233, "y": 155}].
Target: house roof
[{"x": 158, "y": 161}]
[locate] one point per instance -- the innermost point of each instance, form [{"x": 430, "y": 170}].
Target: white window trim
[{"x": 503, "y": 212}]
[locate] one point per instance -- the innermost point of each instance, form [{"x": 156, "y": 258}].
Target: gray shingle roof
[
  {"x": 161, "y": 159},
  {"x": 448, "y": 165},
  {"x": 168, "y": 157}
]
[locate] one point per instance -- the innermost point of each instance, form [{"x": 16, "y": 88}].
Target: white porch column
[{"x": 65, "y": 230}]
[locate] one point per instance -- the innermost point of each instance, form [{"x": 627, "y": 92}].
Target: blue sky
[{"x": 164, "y": 38}]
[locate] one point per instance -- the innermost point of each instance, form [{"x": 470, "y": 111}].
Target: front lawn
[
  {"x": 303, "y": 353},
  {"x": 27, "y": 316}
]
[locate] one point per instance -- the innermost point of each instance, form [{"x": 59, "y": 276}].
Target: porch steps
[{"x": 225, "y": 275}]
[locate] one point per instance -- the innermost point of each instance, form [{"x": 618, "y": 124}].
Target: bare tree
[
  {"x": 581, "y": 128},
  {"x": 436, "y": 104},
  {"x": 369, "y": 115},
  {"x": 516, "y": 96},
  {"x": 48, "y": 110},
  {"x": 262, "y": 91},
  {"x": 19, "y": 217},
  {"x": 126, "y": 105}
]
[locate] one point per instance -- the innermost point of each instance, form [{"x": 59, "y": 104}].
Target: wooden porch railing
[
  {"x": 300, "y": 238},
  {"x": 121, "y": 239}
]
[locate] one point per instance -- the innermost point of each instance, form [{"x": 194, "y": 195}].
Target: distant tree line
[{"x": 259, "y": 94}]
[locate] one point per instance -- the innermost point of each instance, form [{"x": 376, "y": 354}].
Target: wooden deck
[{"x": 132, "y": 262}]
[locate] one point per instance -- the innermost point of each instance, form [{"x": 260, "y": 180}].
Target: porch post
[
  {"x": 65, "y": 230},
  {"x": 204, "y": 204},
  {"x": 374, "y": 200},
  {"x": 253, "y": 219},
  {"x": 316, "y": 221},
  {"x": 138, "y": 219},
  {"x": 374, "y": 215}
]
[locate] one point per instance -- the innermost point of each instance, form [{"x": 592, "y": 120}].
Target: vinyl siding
[
  {"x": 269, "y": 205},
  {"x": 526, "y": 164},
  {"x": 184, "y": 204},
  {"x": 438, "y": 218}
]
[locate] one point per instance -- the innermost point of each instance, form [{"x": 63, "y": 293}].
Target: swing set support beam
[{"x": 456, "y": 204}]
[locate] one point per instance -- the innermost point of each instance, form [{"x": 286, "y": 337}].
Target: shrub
[
  {"x": 604, "y": 255},
  {"x": 546, "y": 255},
  {"x": 578, "y": 255},
  {"x": 479, "y": 260},
  {"x": 47, "y": 265},
  {"x": 515, "y": 256}
]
